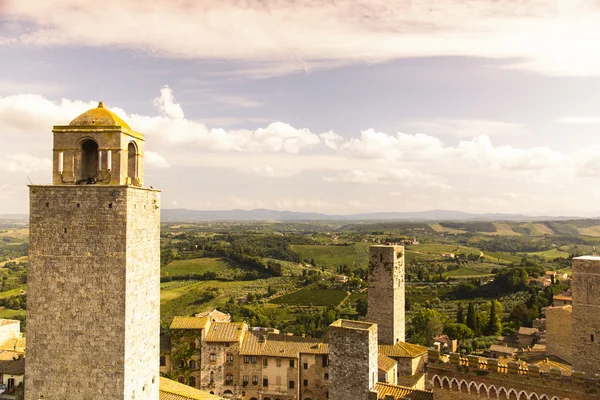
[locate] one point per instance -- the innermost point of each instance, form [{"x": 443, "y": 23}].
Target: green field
[
  {"x": 333, "y": 256},
  {"x": 8, "y": 313},
  {"x": 495, "y": 255},
  {"x": 190, "y": 297},
  {"x": 553, "y": 253},
  {"x": 13, "y": 292},
  {"x": 312, "y": 297},
  {"x": 224, "y": 268}
]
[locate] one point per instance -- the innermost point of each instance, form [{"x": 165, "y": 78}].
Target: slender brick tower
[
  {"x": 94, "y": 261},
  {"x": 386, "y": 292}
]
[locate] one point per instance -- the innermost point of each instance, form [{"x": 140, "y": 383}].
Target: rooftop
[
  {"x": 502, "y": 349},
  {"x": 99, "y": 116},
  {"x": 401, "y": 392},
  {"x": 189, "y": 323},
  {"x": 349, "y": 324},
  {"x": 171, "y": 390},
  {"x": 385, "y": 363},
  {"x": 524, "y": 330},
  {"x": 402, "y": 349},
  {"x": 226, "y": 331}
]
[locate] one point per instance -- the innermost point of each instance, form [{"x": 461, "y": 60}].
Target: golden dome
[{"x": 99, "y": 116}]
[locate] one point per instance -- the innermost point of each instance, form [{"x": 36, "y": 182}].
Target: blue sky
[{"x": 337, "y": 107}]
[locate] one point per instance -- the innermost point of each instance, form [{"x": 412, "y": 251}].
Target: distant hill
[
  {"x": 261, "y": 214},
  {"x": 13, "y": 216}
]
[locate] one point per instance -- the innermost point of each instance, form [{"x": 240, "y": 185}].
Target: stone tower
[
  {"x": 94, "y": 261},
  {"x": 386, "y": 292},
  {"x": 586, "y": 314},
  {"x": 353, "y": 357}
]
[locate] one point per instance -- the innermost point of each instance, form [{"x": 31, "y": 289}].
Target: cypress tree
[
  {"x": 494, "y": 326},
  {"x": 471, "y": 318},
  {"x": 460, "y": 314}
]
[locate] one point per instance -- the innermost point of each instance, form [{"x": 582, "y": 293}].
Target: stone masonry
[
  {"x": 386, "y": 292},
  {"x": 93, "y": 285},
  {"x": 352, "y": 359},
  {"x": 559, "y": 332},
  {"x": 586, "y": 314}
]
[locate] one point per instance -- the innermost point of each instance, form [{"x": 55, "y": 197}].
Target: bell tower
[{"x": 93, "y": 287}]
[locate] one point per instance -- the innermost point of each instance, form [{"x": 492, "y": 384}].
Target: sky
[{"x": 340, "y": 107}]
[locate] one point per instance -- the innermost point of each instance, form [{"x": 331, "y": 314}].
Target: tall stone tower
[
  {"x": 386, "y": 292},
  {"x": 353, "y": 355},
  {"x": 94, "y": 261},
  {"x": 586, "y": 314}
]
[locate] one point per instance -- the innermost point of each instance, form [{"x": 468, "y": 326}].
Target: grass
[
  {"x": 333, "y": 256},
  {"x": 590, "y": 231},
  {"x": 553, "y": 253},
  {"x": 442, "y": 229},
  {"x": 312, "y": 297},
  {"x": 497, "y": 255},
  {"x": 223, "y": 267},
  {"x": 13, "y": 292},
  {"x": 8, "y": 313},
  {"x": 19, "y": 234},
  {"x": 543, "y": 229},
  {"x": 189, "y": 298},
  {"x": 504, "y": 229}
]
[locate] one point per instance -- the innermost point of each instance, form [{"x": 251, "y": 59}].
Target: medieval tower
[
  {"x": 353, "y": 355},
  {"x": 94, "y": 260},
  {"x": 386, "y": 292},
  {"x": 586, "y": 314}
]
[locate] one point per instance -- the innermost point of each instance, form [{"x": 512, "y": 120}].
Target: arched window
[
  {"x": 89, "y": 160},
  {"x": 192, "y": 364},
  {"x": 132, "y": 161},
  {"x": 181, "y": 379},
  {"x": 192, "y": 381}
]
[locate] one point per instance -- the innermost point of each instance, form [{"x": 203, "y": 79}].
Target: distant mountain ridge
[{"x": 261, "y": 214}]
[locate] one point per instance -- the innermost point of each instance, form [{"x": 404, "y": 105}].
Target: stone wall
[
  {"x": 352, "y": 359},
  {"x": 314, "y": 374},
  {"x": 559, "y": 333},
  {"x": 386, "y": 292},
  {"x": 586, "y": 313},
  {"x": 93, "y": 293}
]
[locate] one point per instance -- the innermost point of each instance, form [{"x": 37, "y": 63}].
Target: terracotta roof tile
[
  {"x": 171, "y": 390},
  {"x": 402, "y": 349},
  {"x": 385, "y": 363},
  {"x": 189, "y": 323},
  {"x": 226, "y": 332},
  {"x": 401, "y": 392}
]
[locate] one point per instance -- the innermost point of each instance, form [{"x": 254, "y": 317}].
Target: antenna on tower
[{"x": 29, "y": 179}]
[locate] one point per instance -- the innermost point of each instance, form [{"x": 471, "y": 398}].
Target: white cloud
[
  {"x": 166, "y": 104},
  {"x": 155, "y": 160},
  {"x": 551, "y": 36},
  {"x": 24, "y": 163},
  {"x": 396, "y": 177}
]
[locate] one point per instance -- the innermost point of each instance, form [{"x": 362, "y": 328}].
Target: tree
[
  {"x": 362, "y": 305},
  {"x": 426, "y": 325},
  {"x": 459, "y": 332},
  {"x": 494, "y": 325},
  {"x": 471, "y": 318},
  {"x": 460, "y": 314}
]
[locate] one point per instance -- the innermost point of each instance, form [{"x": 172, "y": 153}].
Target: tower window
[
  {"x": 78, "y": 205},
  {"x": 89, "y": 160},
  {"x": 109, "y": 205},
  {"x": 66, "y": 232},
  {"x": 592, "y": 337},
  {"x": 132, "y": 162},
  {"x": 47, "y": 204},
  {"x": 380, "y": 257}
]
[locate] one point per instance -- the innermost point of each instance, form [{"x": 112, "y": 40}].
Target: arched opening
[
  {"x": 492, "y": 392},
  {"x": 10, "y": 384},
  {"x": 89, "y": 160},
  {"x": 454, "y": 385},
  {"x": 437, "y": 382},
  {"x": 464, "y": 387},
  {"x": 523, "y": 395},
  {"x": 181, "y": 379},
  {"x": 512, "y": 395},
  {"x": 228, "y": 392},
  {"x": 132, "y": 161},
  {"x": 192, "y": 381},
  {"x": 446, "y": 383}
]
